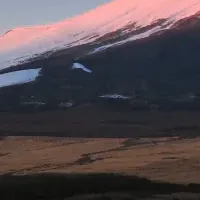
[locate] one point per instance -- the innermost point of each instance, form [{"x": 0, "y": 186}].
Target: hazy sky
[{"x": 14, "y": 13}]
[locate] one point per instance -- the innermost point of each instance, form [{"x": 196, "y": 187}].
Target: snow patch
[
  {"x": 80, "y": 66},
  {"x": 33, "y": 103},
  {"x": 19, "y": 77},
  {"x": 66, "y": 104},
  {"x": 114, "y": 96},
  {"x": 135, "y": 37}
]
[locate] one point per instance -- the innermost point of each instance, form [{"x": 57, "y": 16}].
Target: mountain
[
  {"x": 126, "y": 54},
  {"x": 122, "y": 21}
]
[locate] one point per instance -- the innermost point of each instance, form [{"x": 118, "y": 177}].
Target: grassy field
[{"x": 175, "y": 160}]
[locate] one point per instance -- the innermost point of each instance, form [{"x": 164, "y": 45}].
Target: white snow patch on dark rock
[{"x": 80, "y": 66}]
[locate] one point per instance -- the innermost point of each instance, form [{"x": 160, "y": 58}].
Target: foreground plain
[{"x": 174, "y": 160}]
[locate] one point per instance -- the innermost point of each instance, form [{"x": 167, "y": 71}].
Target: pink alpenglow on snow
[{"x": 23, "y": 43}]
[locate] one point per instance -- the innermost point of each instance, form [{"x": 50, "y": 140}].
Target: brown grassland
[
  {"x": 166, "y": 159},
  {"x": 169, "y": 160}
]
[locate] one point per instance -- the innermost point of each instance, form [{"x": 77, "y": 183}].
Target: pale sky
[{"x": 14, "y": 13}]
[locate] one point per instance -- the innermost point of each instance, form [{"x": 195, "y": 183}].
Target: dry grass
[{"x": 165, "y": 159}]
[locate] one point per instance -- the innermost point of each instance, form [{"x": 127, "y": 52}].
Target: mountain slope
[
  {"x": 120, "y": 83},
  {"x": 128, "y": 17},
  {"x": 133, "y": 60}
]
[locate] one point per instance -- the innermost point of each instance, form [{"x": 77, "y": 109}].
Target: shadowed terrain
[
  {"x": 91, "y": 186},
  {"x": 87, "y": 121}
]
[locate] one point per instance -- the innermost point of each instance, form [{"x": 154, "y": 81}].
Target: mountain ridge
[{"x": 83, "y": 29}]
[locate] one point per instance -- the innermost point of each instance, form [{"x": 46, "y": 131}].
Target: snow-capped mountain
[
  {"x": 126, "y": 54},
  {"x": 128, "y": 20},
  {"x": 95, "y": 73}
]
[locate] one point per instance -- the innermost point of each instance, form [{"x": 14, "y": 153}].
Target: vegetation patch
[{"x": 62, "y": 186}]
